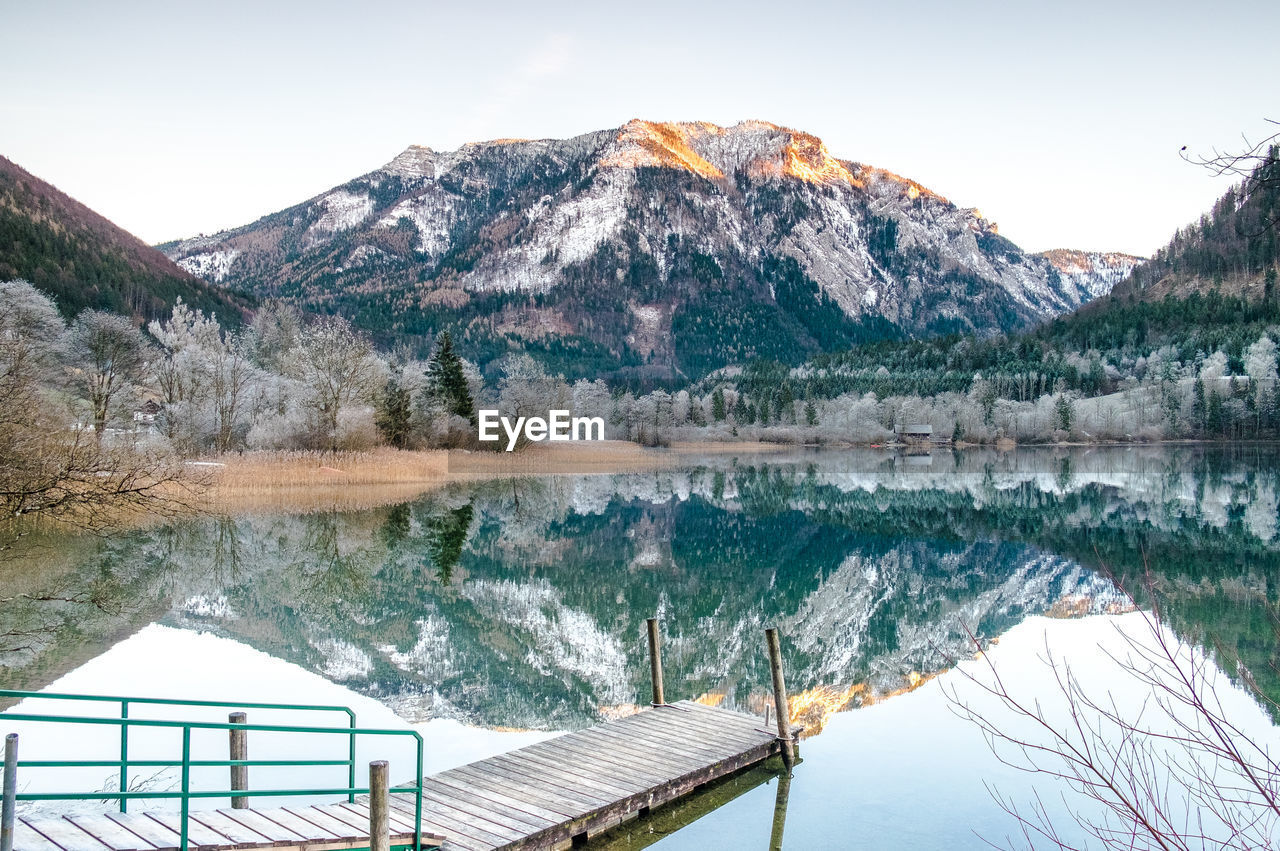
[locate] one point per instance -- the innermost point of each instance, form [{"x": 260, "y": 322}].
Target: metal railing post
[
  {"x": 239, "y": 750},
  {"x": 351, "y": 758},
  {"x": 379, "y": 824},
  {"x": 417, "y": 804},
  {"x": 8, "y": 811},
  {"x": 124, "y": 756},
  {"x": 186, "y": 786}
]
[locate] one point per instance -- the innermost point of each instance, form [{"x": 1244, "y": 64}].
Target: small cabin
[
  {"x": 915, "y": 433},
  {"x": 146, "y": 415}
]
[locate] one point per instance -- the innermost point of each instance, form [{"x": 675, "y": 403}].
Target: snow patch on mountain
[
  {"x": 434, "y": 217},
  {"x": 342, "y": 211},
  {"x": 208, "y": 606},
  {"x": 430, "y": 655},
  {"x": 561, "y": 639},
  {"x": 213, "y": 266},
  {"x": 342, "y": 659}
]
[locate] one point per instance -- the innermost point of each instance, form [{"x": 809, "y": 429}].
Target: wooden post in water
[
  {"x": 7, "y": 810},
  {"x": 780, "y": 698},
  {"x": 655, "y": 662},
  {"x": 379, "y": 824},
  {"x": 780, "y": 811},
  {"x": 239, "y": 750}
]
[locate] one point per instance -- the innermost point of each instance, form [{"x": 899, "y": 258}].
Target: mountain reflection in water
[{"x": 521, "y": 603}]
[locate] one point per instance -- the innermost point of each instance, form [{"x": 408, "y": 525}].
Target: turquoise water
[{"x": 520, "y": 604}]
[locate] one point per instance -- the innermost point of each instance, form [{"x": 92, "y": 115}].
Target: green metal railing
[{"x": 185, "y": 793}]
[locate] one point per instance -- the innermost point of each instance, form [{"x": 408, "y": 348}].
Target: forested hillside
[
  {"x": 1185, "y": 347},
  {"x": 85, "y": 261},
  {"x": 1233, "y": 248}
]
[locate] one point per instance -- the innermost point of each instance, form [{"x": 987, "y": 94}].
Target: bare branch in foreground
[{"x": 1174, "y": 772}]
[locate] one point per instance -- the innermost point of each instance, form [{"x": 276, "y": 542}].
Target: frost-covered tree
[
  {"x": 591, "y": 398},
  {"x": 681, "y": 405},
  {"x": 525, "y": 389},
  {"x": 273, "y": 334},
  {"x": 48, "y": 468},
  {"x": 338, "y": 367},
  {"x": 1260, "y": 366},
  {"x": 204, "y": 375},
  {"x": 29, "y": 331},
  {"x": 107, "y": 355}
]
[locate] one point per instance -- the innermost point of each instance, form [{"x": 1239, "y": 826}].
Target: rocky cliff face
[{"x": 656, "y": 248}]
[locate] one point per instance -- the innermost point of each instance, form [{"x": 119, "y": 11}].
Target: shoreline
[{"x": 311, "y": 481}]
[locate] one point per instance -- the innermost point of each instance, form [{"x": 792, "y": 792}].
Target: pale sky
[{"x": 1061, "y": 122}]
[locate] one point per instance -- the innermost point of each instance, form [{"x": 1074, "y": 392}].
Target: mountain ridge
[{"x": 711, "y": 244}]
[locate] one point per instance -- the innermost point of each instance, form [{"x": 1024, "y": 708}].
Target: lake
[{"x": 492, "y": 614}]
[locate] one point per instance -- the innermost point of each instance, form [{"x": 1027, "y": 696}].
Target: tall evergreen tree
[
  {"x": 448, "y": 381},
  {"x": 1198, "y": 406},
  {"x": 1065, "y": 412},
  {"x": 393, "y": 414},
  {"x": 717, "y": 404}
]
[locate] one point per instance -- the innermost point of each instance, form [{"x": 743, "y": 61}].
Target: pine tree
[
  {"x": 1066, "y": 412},
  {"x": 717, "y": 404},
  {"x": 1198, "y": 406},
  {"x": 393, "y": 414},
  {"x": 810, "y": 413},
  {"x": 1215, "y": 419},
  {"x": 448, "y": 382}
]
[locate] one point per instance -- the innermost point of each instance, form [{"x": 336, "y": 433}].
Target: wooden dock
[{"x": 555, "y": 794}]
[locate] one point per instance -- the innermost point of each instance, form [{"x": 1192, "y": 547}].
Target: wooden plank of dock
[
  {"x": 297, "y": 828},
  {"x": 563, "y": 790},
  {"x": 546, "y": 796}
]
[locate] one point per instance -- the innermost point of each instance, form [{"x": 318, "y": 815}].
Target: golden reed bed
[{"x": 311, "y": 481}]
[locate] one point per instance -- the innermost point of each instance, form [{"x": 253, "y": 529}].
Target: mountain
[
  {"x": 83, "y": 260},
  {"x": 657, "y": 250},
  {"x": 1091, "y": 272}
]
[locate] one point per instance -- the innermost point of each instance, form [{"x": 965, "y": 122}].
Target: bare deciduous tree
[
  {"x": 1242, "y": 163},
  {"x": 1176, "y": 772},
  {"x": 1255, "y": 163}
]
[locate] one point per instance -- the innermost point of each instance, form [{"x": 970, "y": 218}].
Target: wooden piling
[
  {"x": 780, "y": 810},
  {"x": 10, "y": 804},
  {"x": 780, "y": 698},
  {"x": 655, "y": 662},
  {"x": 379, "y": 821},
  {"x": 239, "y": 751}
]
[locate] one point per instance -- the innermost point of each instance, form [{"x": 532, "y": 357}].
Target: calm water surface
[{"x": 519, "y": 606}]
